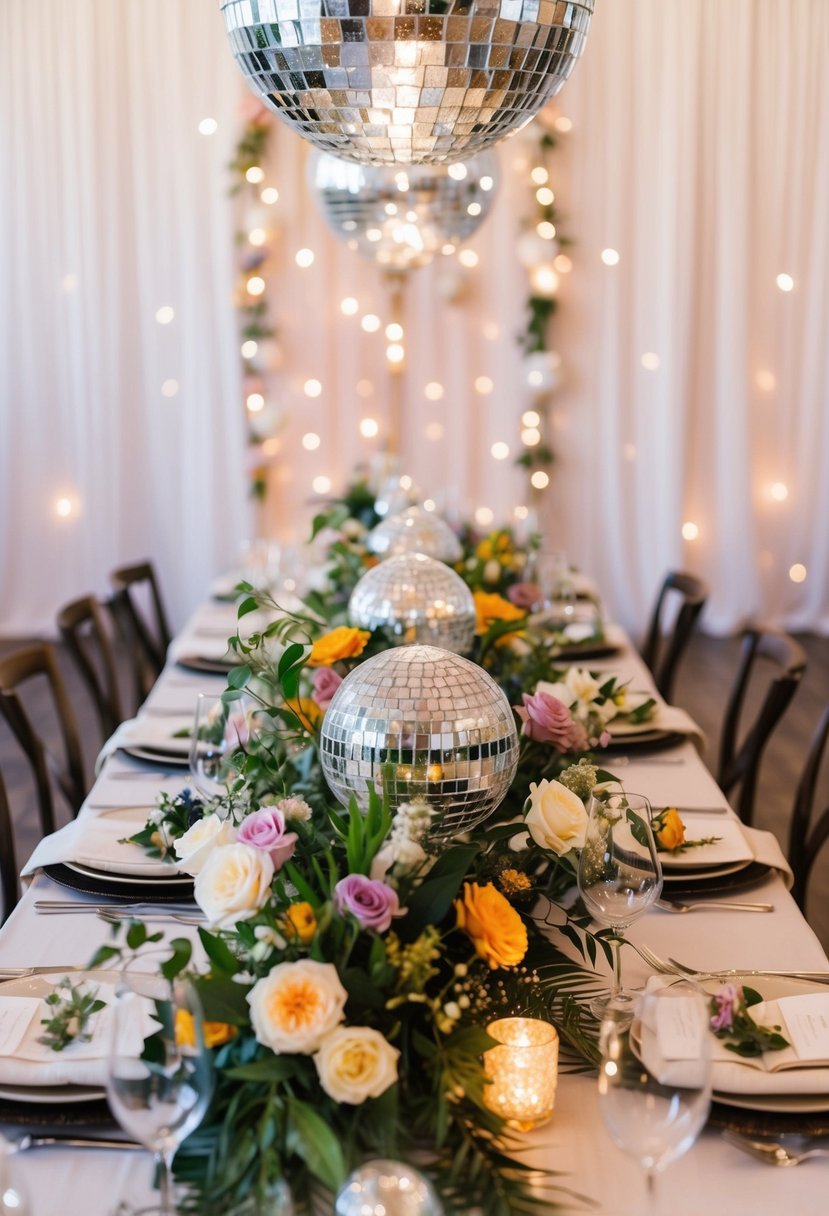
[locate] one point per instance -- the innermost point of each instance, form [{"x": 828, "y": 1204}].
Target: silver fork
[
  {"x": 673, "y": 905},
  {"x": 660, "y": 965},
  {"x": 677, "y": 968},
  {"x": 114, "y": 918},
  {"x": 775, "y": 1152}
]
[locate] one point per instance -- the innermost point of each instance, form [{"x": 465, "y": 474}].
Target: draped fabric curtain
[
  {"x": 112, "y": 207},
  {"x": 695, "y": 392}
]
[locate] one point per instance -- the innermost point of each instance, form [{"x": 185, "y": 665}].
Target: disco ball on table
[
  {"x": 415, "y": 530},
  {"x": 415, "y": 598},
  {"x": 417, "y": 721}
]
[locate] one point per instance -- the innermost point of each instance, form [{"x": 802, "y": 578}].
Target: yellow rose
[
  {"x": 215, "y": 1034},
  {"x": 299, "y": 921},
  {"x": 484, "y": 550},
  {"x": 341, "y": 643},
  {"x": 355, "y": 1063},
  {"x": 294, "y": 1007},
  {"x": 497, "y": 932},
  {"x": 670, "y": 830},
  {"x": 490, "y": 607}
]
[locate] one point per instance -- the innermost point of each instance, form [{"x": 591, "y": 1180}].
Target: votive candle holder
[{"x": 522, "y": 1071}]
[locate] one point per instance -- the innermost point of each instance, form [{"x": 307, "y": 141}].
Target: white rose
[
  {"x": 296, "y": 1005},
  {"x": 198, "y": 842},
  {"x": 234, "y": 884},
  {"x": 556, "y": 819},
  {"x": 583, "y": 687},
  {"x": 492, "y": 571},
  {"x": 355, "y": 1063},
  {"x": 406, "y": 855}
]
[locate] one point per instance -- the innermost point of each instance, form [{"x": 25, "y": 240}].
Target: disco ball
[
  {"x": 415, "y": 598},
  {"x": 400, "y": 218},
  {"x": 415, "y": 530},
  {"x": 417, "y": 721},
  {"x": 406, "y": 81},
  {"x": 391, "y": 1187}
]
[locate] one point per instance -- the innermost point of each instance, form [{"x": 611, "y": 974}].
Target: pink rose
[
  {"x": 525, "y": 595},
  {"x": 372, "y": 903},
  {"x": 726, "y": 1001},
  {"x": 326, "y": 683},
  {"x": 546, "y": 719},
  {"x": 265, "y": 830}
]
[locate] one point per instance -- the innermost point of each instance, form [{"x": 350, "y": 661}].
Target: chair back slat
[
  {"x": 807, "y": 838},
  {"x": 8, "y": 866},
  {"x": 145, "y": 630},
  {"x": 83, "y": 627},
  {"x": 662, "y": 651}
]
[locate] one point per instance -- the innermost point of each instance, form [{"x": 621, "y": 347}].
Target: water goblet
[
  {"x": 160, "y": 1076},
  {"x": 219, "y": 729},
  {"x": 619, "y": 874},
  {"x": 555, "y": 580},
  {"x": 654, "y": 1106}
]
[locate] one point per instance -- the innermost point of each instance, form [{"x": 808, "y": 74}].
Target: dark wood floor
[{"x": 702, "y": 688}]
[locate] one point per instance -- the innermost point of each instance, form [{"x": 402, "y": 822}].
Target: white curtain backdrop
[
  {"x": 113, "y": 206},
  {"x": 699, "y": 152}
]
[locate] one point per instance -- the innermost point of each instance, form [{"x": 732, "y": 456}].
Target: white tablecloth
[{"x": 713, "y": 1176}]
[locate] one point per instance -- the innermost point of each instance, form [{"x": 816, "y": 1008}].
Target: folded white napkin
[
  {"x": 766, "y": 849},
  {"x": 664, "y": 717},
  {"x": 134, "y": 789},
  {"x": 25, "y": 1061},
  {"x": 729, "y": 1074},
  {"x": 94, "y": 839}
]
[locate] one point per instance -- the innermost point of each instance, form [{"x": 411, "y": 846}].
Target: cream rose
[
  {"x": 556, "y": 819},
  {"x": 198, "y": 842},
  {"x": 293, "y": 1008},
  {"x": 355, "y": 1063},
  {"x": 234, "y": 884}
]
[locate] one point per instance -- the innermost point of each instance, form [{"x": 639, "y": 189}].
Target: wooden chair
[
  {"x": 806, "y": 838},
  {"x": 16, "y": 669},
  {"x": 662, "y": 653},
  {"x": 144, "y": 627},
  {"x": 8, "y": 865},
  {"x": 739, "y": 764},
  {"x": 84, "y": 629}
]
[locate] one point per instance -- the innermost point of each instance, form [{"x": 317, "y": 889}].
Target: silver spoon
[
  {"x": 788, "y": 1150},
  {"x": 673, "y": 905}
]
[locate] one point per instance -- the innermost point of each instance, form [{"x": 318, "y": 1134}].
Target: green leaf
[
  {"x": 220, "y": 955},
  {"x": 223, "y": 1000},
  {"x": 290, "y": 657},
  {"x": 271, "y": 1069},
  {"x": 238, "y": 677},
  {"x": 247, "y": 605},
  {"x": 316, "y": 1143},
  {"x": 182, "y": 949},
  {"x": 433, "y": 898}
]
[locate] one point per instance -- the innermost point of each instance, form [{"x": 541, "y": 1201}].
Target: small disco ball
[
  {"x": 401, "y": 218},
  {"x": 390, "y": 1187},
  {"x": 415, "y": 530},
  {"x": 406, "y": 81},
  {"x": 417, "y": 721},
  {"x": 415, "y": 598}
]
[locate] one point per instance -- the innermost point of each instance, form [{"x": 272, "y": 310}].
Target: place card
[{"x": 16, "y": 1014}]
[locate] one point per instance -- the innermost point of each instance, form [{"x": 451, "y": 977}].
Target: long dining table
[{"x": 713, "y": 1175}]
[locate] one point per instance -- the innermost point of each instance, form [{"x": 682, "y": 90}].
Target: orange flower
[
  {"x": 495, "y": 929},
  {"x": 300, "y": 922},
  {"x": 214, "y": 1033},
  {"x": 309, "y": 713},
  {"x": 341, "y": 643},
  {"x": 670, "y": 830},
  {"x": 490, "y": 607}
]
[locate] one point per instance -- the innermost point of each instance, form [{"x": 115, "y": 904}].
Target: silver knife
[{"x": 29, "y": 1142}]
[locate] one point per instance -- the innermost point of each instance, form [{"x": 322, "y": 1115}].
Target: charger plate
[{"x": 115, "y": 886}]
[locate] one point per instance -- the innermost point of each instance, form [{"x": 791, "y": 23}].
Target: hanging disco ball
[
  {"x": 406, "y": 81},
  {"x": 400, "y": 218},
  {"x": 415, "y": 598},
  {"x": 416, "y": 721},
  {"x": 415, "y": 530}
]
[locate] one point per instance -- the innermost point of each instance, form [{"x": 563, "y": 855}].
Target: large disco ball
[
  {"x": 400, "y": 218},
  {"x": 417, "y": 721},
  {"x": 391, "y": 1187},
  {"x": 415, "y": 598},
  {"x": 415, "y": 530},
  {"x": 406, "y": 81}
]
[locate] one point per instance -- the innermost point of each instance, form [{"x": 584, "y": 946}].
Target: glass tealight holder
[{"x": 522, "y": 1071}]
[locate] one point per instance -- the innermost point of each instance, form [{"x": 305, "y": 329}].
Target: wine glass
[
  {"x": 619, "y": 875},
  {"x": 654, "y": 1106},
  {"x": 158, "y": 1090},
  {"x": 219, "y": 730},
  {"x": 555, "y": 581}
]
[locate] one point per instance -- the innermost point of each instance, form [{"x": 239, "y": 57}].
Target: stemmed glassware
[
  {"x": 653, "y": 1106},
  {"x": 158, "y": 1090},
  {"x": 619, "y": 874},
  {"x": 218, "y": 731}
]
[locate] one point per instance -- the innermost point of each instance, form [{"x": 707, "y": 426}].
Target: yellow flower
[
  {"x": 341, "y": 643},
  {"x": 490, "y": 607},
  {"x": 495, "y": 929},
  {"x": 513, "y": 881},
  {"x": 300, "y": 922},
  {"x": 214, "y": 1033},
  {"x": 670, "y": 832},
  {"x": 484, "y": 549},
  {"x": 309, "y": 713}
]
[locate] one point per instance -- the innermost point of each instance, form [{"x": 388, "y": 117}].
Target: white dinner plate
[
  {"x": 729, "y": 847},
  {"x": 40, "y": 986},
  {"x": 689, "y": 876},
  {"x": 142, "y": 879}
]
